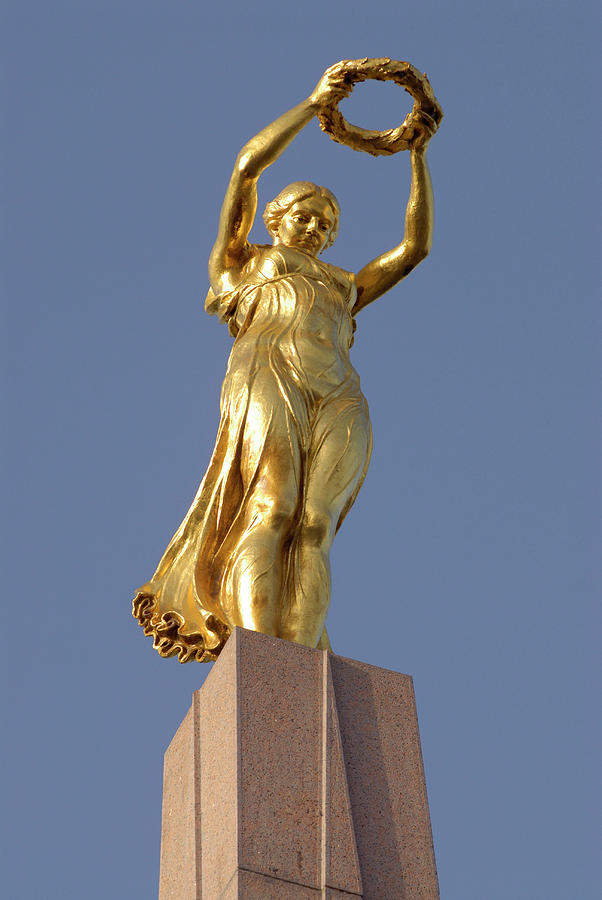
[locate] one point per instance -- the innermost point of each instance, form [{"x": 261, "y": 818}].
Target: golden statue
[{"x": 294, "y": 438}]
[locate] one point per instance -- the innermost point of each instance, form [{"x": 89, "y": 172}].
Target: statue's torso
[{"x": 298, "y": 308}]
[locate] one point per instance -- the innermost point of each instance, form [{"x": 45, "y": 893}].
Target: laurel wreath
[{"x": 381, "y": 143}]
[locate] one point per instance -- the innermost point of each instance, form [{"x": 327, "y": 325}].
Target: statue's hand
[
  {"x": 425, "y": 127},
  {"x": 331, "y": 88}
]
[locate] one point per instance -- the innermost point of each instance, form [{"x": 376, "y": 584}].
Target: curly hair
[{"x": 294, "y": 193}]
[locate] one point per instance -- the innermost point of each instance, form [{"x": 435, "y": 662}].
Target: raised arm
[
  {"x": 386, "y": 270},
  {"x": 231, "y": 249}
]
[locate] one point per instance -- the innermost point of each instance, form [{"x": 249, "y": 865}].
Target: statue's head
[{"x": 303, "y": 215}]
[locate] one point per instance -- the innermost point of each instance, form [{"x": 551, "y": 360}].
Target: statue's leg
[
  {"x": 336, "y": 463},
  {"x": 270, "y": 467}
]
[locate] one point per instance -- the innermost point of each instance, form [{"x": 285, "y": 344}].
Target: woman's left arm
[{"x": 386, "y": 270}]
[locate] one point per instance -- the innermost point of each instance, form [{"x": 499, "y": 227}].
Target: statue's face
[{"x": 306, "y": 225}]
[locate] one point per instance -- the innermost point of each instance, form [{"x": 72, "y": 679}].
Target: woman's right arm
[{"x": 231, "y": 249}]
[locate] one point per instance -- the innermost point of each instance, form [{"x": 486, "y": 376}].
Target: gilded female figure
[{"x": 294, "y": 437}]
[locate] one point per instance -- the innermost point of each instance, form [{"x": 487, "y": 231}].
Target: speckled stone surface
[
  {"x": 298, "y": 776},
  {"x": 280, "y": 745},
  {"x": 179, "y": 874},
  {"x": 220, "y": 765},
  {"x": 252, "y": 886},
  {"x": 340, "y": 861},
  {"x": 385, "y": 779}
]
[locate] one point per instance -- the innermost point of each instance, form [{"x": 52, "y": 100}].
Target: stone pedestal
[{"x": 296, "y": 775}]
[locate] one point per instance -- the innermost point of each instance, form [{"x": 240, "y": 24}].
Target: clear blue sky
[{"x": 470, "y": 560}]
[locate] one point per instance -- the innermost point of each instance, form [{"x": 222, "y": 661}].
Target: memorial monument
[{"x": 297, "y": 773}]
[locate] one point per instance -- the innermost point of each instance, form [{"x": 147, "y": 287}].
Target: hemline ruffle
[{"x": 168, "y": 639}]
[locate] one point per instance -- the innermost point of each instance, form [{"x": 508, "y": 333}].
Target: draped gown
[{"x": 292, "y": 417}]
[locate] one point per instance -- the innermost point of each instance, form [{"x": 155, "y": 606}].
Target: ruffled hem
[{"x": 168, "y": 636}]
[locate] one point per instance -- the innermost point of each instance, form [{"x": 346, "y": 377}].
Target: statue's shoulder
[
  {"x": 257, "y": 252},
  {"x": 343, "y": 277},
  {"x": 343, "y": 274}
]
